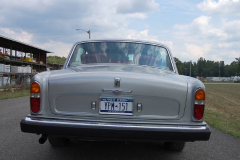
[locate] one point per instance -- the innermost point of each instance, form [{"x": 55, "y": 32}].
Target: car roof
[{"x": 158, "y": 43}]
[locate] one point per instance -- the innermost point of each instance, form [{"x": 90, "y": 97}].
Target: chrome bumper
[{"x": 115, "y": 131}]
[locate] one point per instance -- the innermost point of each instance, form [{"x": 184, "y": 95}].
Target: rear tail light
[
  {"x": 35, "y": 97},
  {"x": 199, "y": 104}
]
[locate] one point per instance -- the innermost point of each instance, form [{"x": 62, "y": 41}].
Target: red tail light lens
[
  {"x": 35, "y": 104},
  {"x": 198, "y": 111},
  {"x": 199, "y": 104},
  {"x": 35, "y": 97}
]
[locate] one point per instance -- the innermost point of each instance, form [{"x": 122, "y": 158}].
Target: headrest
[{"x": 94, "y": 58}]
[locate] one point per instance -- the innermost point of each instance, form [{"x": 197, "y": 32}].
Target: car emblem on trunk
[
  {"x": 117, "y": 82},
  {"x": 116, "y": 91}
]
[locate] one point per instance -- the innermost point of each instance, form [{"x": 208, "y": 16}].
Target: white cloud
[
  {"x": 208, "y": 51},
  {"x": 232, "y": 29},
  {"x": 137, "y": 6},
  {"x": 192, "y": 51},
  {"x": 221, "y": 7},
  {"x": 201, "y": 27},
  {"x": 138, "y": 15},
  {"x": 61, "y": 15},
  {"x": 195, "y": 51},
  {"x": 105, "y": 19},
  {"x": 169, "y": 44},
  {"x": 230, "y": 54},
  {"x": 224, "y": 45},
  {"x": 62, "y": 49},
  {"x": 24, "y": 20},
  {"x": 142, "y": 35},
  {"x": 124, "y": 33},
  {"x": 21, "y": 35},
  {"x": 204, "y": 38},
  {"x": 59, "y": 48}
]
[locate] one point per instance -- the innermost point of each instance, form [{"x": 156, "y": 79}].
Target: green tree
[
  {"x": 179, "y": 65},
  {"x": 207, "y": 68},
  {"x": 238, "y": 61},
  {"x": 56, "y": 59},
  {"x": 201, "y": 64},
  {"x": 221, "y": 68}
]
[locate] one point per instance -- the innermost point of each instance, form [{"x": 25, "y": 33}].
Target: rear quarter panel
[
  {"x": 42, "y": 78},
  {"x": 193, "y": 85}
]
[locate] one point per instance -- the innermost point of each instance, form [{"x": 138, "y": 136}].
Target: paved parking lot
[{"x": 18, "y": 145}]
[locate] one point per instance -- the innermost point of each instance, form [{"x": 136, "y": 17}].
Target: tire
[
  {"x": 174, "y": 146},
  {"x": 58, "y": 141}
]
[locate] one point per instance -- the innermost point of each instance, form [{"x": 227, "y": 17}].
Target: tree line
[
  {"x": 201, "y": 68},
  {"x": 56, "y": 59},
  {"x": 207, "y": 68}
]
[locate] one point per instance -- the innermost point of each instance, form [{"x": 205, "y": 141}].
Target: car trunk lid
[{"x": 162, "y": 95}]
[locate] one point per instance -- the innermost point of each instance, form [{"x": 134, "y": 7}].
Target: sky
[{"x": 190, "y": 28}]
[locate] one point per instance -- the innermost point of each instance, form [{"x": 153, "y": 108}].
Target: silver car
[{"x": 117, "y": 90}]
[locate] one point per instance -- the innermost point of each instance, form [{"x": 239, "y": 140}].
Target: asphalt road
[{"x": 22, "y": 146}]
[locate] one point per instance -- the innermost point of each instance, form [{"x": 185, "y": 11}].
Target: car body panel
[
  {"x": 72, "y": 94},
  {"x": 167, "y": 100}
]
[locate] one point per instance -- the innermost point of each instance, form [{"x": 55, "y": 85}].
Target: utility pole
[
  {"x": 219, "y": 68},
  {"x": 89, "y": 32},
  {"x": 190, "y": 67}
]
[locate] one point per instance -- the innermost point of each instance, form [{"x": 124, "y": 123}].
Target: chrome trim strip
[
  {"x": 35, "y": 95},
  {"x": 70, "y": 55},
  {"x": 117, "y": 91},
  {"x": 124, "y": 41},
  {"x": 40, "y": 121},
  {"x": 200, "y": 102}
]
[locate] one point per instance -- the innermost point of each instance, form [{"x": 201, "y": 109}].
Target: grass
[
  {"x": 14, "y": 92},
  {"x": 223, "y": 107}
]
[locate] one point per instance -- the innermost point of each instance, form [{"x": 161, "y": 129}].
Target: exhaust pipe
[{"x": 43, "y": 138}]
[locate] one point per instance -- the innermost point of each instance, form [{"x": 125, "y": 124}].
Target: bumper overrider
[{"x": 67, "y": 128}]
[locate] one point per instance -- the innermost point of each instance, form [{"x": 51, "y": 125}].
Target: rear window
[{"x": 121, "y": 52}]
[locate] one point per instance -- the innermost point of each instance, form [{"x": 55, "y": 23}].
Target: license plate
[{"x": 116, "y": 106}]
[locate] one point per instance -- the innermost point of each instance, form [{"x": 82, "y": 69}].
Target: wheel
[
  {"x": 57, "y": 141},
  {"x": 174, "y": 146}
]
